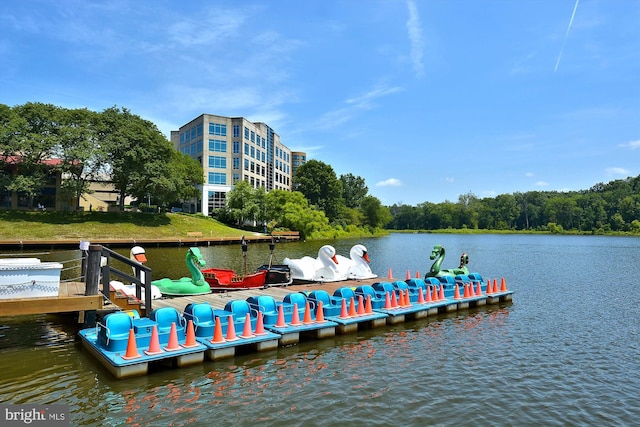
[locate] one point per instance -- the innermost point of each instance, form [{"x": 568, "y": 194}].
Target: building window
[
  {"x": 218, "y": 145},
  {"x": 236, "y": 178},
  {"x": 199, "y": 129},
  {"x": 219, "y": 178},
  {"x": 218, "y": 162},
  {"x": 253, "y": 136},
  {"x": 246, "y": 133},
  {"x": 236, "y": 163},
  {"x": 236, "y": 147},
  {"x": 246, "y": 149},
  {"x": 246, "y": 164},
  {"x": 236, "y": 131},
  {"x": 217, "y": 129}
]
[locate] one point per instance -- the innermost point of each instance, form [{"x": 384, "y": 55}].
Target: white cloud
[
  {"x": 632, "y": 145},
  {"x": 391, "y": 182},
  {"x": 529, "y": 174},
  {"x": 617, "y": 171},
  {"x": 541, "y": 184},
  {"x": 415, "y": 38}
]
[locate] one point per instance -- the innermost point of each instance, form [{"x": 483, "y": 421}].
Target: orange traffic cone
[
  {"x": 394, "y": 301},
  {"x": 441, "y": 296},
  {"x": 390, "y": 274},
  {"x": 466, "y": 290},
  {"x": 420, "y": 296},
  {"x": 154, "y": 344},
  {"x": 387, "y": 301},
  {"x": 343, "y": 311},
  {"x": 368, "y": 309},
  {"x": 280, "y": 323},
  {"x": 352, "y": 307},
  {"x": 320, "y": 313},
  {"x": 132, "y": 347},
  {"x": 191, "y": 336},
  {"x": 456, "y": 292},
  {"x": 417, "y": 274},
  {"x": 401, "y": 302},
  {"x": 361, "y": 311},
  {"x": 478, "y": 288},
  {"x": 428, "y": 294},
  {"x": 173, "y": 339},
  {"x": 407, "y": 298},
  {"x": 259, "y": 325},
  {"x": 435, "y": 293},
  {"x": 231, "y": 329},
  {"x": 295, "y": 317},
  {"x": 217, "y": 333},
  {"x": 246, "y": 332},
  {"x": 503, "y": 286},
  {"x": 307, "y": 314},
  {"x": 408, "y": 276},
  {"x": 472, "y": 292}
]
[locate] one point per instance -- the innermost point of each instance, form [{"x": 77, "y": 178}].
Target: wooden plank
[{"x": 24, "y": 306}]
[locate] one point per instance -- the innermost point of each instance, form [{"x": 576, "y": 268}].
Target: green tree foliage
[
  {"x": 354, "y": 190},
  {"x": 291, "y": 210},
  {"x": 318, "y": 183},
  {"x": 115, "y": 145},
  {"x": 613, "y": 206},
  {"x": 374, "y": 214}
]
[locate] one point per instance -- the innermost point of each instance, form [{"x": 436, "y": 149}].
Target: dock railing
[{"x": 99, "y": 264}]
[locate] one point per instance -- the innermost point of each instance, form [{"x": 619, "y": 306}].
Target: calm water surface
[{"x": 565, "y": 352}]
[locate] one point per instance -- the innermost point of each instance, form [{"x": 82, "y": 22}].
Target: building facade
[{"x": 231, "y": 149}]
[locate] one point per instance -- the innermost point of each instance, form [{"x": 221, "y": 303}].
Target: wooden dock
[{"x": 71, "y": 298}]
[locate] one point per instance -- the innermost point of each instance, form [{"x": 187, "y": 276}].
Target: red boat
[{"x": 225, "y": 279}]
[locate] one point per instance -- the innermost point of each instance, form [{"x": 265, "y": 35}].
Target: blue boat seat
[
  {"x": 165, "y": 317},
  {"x": 449, "y": 283},
  {"x": 201, "y": 314},
  {"x": 368, "y": 291},
  {"x": 113, "y": 334},
  {"x": 331, "y": 306},
  {"x": 267, "y": 305},
  {"x": 403, "y": 286},
  {"x": 345, "y": 293},
  {"x": 301, "y": 300},
  {"x": 239, "y": 310},
  {"x": 382, "y": 288}
]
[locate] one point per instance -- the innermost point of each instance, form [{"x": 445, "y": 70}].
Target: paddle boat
[
  {"x": 438, "y": 254},
  {"x": 277, "y": 274},
  {"x": 138, "y": 254},
  {"x": 227, "y": 279},
  {"x": 194, "y": 285},
  {"x": 357, "y": 265},
  {"x": 322, "y": 269}
]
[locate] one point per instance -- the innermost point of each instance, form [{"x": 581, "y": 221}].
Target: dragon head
[
  {"x": 436, "y": 251},
  {"x": 196, "y": 257}
]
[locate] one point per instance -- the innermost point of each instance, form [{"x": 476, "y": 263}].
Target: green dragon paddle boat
[
  {"x": 437, "y": 254},
  {"x": 194, "y": 285}
]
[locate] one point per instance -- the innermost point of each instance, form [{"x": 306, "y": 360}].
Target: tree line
[
  {"x": 113, "y": 145},
  {"x": 604, "y": 208},
  {"x": 321, "y": 205}
]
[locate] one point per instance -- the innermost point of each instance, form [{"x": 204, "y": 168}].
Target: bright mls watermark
[{"x": 34, "y": 415}]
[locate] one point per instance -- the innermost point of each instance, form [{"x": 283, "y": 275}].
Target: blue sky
[{"x": 424, "y": 99}]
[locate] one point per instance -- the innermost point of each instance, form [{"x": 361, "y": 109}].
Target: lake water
[{"x": 566, "y": 351}]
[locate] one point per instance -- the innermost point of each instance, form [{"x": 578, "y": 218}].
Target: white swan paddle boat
[
  {"x": 322, "y": 269},
  {"x": 138, "y": 254},
  {"x": 357, "y": 265}
]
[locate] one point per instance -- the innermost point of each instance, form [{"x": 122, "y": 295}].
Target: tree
[
  {"x": 241, "y": 203},
  {"x": 139, "y": 156},
  {"x": 353, "y": 190},
  {"x": 291, "y": 210},
  {"x": 317, "y": 181},
  {"x": 375, "y": 215},
  {"x": 78, "y": 151}
]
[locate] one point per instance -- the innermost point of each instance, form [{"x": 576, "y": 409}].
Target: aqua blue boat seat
[
  {"x": 449, "y": 283},
  {"x": 417, "y": 284},
  {"x": 165, "y": 317},
  {"x": 113, "y": 333},
  {"x": 403, "y": 286},
  {"x": 201, "y": 314},
  {"x": 433, "y": 281},
  {"x": 301, "y": 300},
  {"x": 475, "y": 278},
  {"x": 382, "y": 288},
  {"x": 368, "y": 291},
  {"x": 239, "y": 310},
  {"x": 331, "y": 306},
  {"x": 267, "y": 305}
]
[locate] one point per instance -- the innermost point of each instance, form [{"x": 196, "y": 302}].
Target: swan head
[
  {"x": 328, "y": 252},
  {"x": 138, "y": 253},
  {"x": 361, "y": 252}
]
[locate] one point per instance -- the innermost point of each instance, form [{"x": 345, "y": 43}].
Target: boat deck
[{"x": 70, "y": 298}]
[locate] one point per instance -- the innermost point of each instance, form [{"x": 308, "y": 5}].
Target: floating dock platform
[{"x": 184, "y": 331}]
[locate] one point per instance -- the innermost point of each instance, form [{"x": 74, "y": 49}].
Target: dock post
[{"x": 93, "y": 270}]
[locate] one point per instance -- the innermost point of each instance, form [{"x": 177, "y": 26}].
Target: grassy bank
[{"x": 20, "y": 225}]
